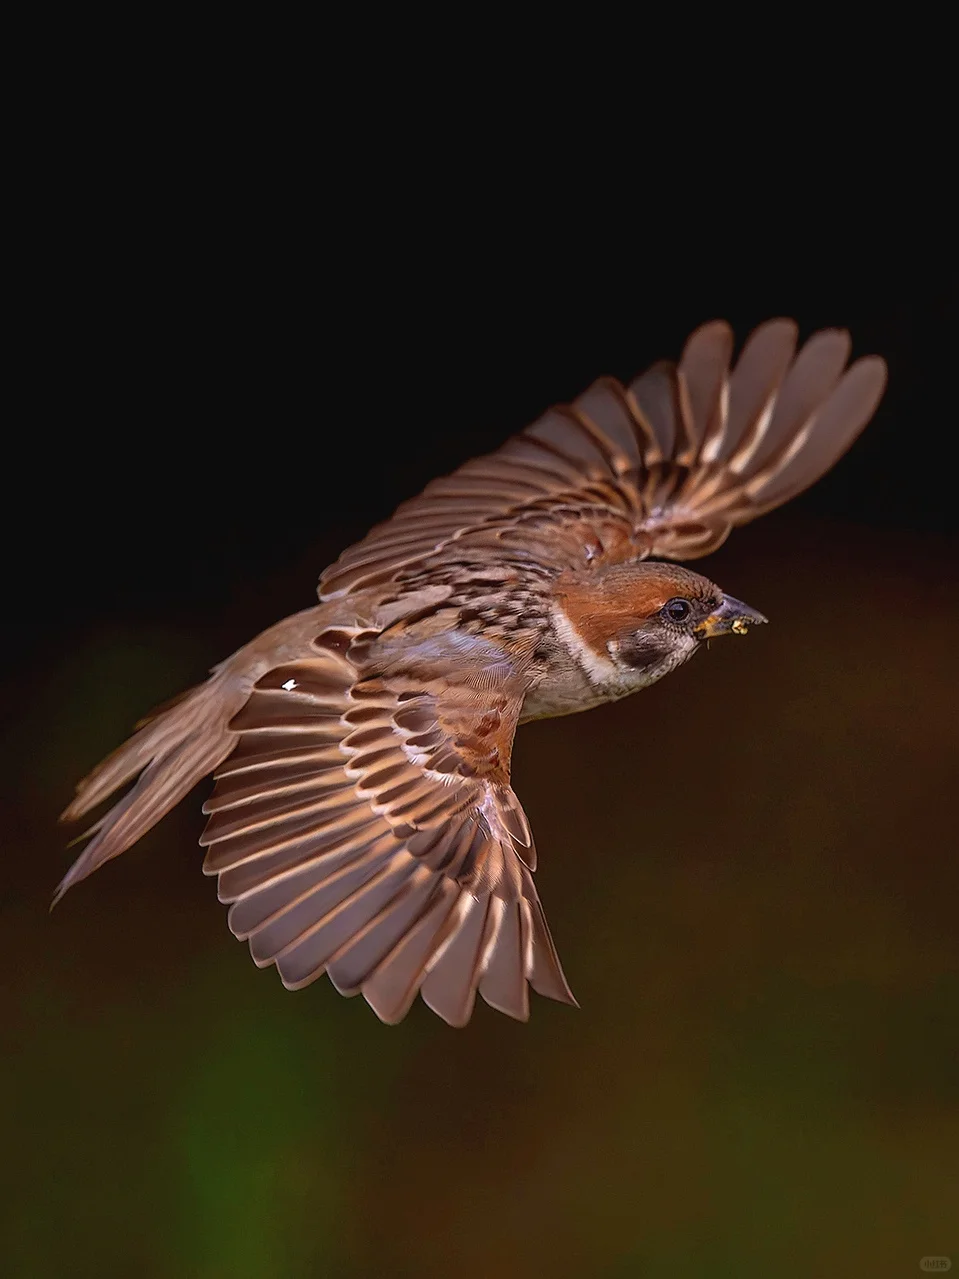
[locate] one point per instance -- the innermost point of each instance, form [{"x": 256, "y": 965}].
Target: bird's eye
[{"x": 677, "y": 610}]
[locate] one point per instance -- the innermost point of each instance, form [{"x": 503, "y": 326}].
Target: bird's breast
[{"x": 564, "y": 691}]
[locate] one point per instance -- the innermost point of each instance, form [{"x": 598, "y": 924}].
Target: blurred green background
[{"x": 751, "y": 874}]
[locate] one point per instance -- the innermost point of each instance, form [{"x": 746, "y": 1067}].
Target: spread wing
[
  {"x": 665, "y": 467},
  {"x": 366, "y": 827}
]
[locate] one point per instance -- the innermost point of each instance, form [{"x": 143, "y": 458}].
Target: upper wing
[
  {"x": 367, "y": 828},
  {"x": 665, "y": 467}
]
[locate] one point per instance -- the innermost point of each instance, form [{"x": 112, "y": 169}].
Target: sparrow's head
[{"x": 646, "y": 619}]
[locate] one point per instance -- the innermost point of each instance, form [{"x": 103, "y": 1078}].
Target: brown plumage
[{"x": 362, "y": 821}]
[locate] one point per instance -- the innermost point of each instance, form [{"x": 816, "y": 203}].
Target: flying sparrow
[{"x": 362, "y": 821}]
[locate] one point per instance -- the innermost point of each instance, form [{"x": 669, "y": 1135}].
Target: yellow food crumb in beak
[{"x": 739, "y": 627}]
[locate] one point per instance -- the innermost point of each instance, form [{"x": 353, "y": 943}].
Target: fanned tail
[
  {"x": 174, "y": 747},
  {"x": 172, "y": 751}
]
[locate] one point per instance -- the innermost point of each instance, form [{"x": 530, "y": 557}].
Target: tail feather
[
  {"x": 174, "y": 747},
  {"x": 173, "y": 750}
]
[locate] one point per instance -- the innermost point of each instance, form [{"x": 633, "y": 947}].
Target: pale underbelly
[{"x": 567, "y": 695}]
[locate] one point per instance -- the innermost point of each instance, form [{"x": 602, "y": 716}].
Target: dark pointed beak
[{"x": 732, "y": 617}]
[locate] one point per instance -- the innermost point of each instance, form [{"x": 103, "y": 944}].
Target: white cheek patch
[{"x": 600, "y": 669}]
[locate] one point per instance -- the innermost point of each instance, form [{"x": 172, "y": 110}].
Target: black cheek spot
[{"x": 641, "y": 650}]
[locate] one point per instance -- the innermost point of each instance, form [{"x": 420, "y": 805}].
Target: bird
[{"x": 362, "y": 821}]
